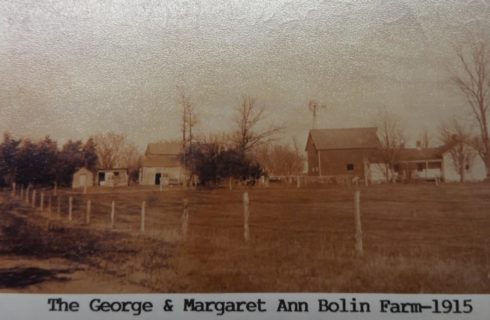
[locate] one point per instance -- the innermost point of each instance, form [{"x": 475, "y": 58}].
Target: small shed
[
  {"x": 117, "y": 177},
  {"x": 82, "y": 178}
]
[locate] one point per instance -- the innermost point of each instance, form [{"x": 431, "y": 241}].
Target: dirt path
[{"x": 30, "y": 263}]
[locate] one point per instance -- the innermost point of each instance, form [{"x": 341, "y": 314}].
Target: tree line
[{"x": 44, "y": 162}]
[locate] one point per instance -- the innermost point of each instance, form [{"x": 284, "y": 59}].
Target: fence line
[{"x": 77, "y": 205}]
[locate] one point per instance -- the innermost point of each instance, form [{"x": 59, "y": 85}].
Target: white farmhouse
[
  {"x": 428, "y": 164},
  {"x": 475, "y": 171}
]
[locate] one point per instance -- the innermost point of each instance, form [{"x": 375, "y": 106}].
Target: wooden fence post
[
  {"x": 185, "y": 218},
  {"x": 58, "y": 206},
  {"x": 89, "y": 208},
  {"x": 49, "y": 205},
  {"x": 41, "y": 205},
  {"x": 21, "y": 192},
  {"x": 143, "y": 212},
  {"x": 113, "y": 213},
  {"x": 298, "y": 182},
  {"x": 246, "y": 215},
  {"x": 161, "y": 184},
  {"x": 13, "y": 189},
  {"x": 357, "y": 206},
  {"x": 55, "y": 188},
  {"x": 27, "y": 195},
  {"x": 34, "y": 198},
  {"x": 70, "y": 208}
]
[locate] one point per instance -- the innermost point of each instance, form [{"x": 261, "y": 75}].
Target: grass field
[{"x": 417, "y": 238}]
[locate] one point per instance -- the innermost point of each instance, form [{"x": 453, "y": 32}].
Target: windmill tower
[{"x": 314, "y": 107}]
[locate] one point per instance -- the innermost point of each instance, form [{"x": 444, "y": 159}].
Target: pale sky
[{"x": 72, "y": 68}]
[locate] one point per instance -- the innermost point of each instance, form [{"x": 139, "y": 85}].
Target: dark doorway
[
  {"x": 101, "y": 177},
  {"x": 158, "y": 176}
]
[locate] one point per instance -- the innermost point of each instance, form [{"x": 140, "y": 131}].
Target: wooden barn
[
  {"x": 162, "y": 165},
  {"x": 82, "y": 178},
  {"x": 341, "y": 152}
]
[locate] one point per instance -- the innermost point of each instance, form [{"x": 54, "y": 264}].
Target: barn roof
[{"x": 344, "y": 138}]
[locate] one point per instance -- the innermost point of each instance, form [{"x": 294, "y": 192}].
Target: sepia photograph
[{"x": 206, "y": 146}]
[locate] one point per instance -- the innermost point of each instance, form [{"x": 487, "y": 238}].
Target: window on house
[
  {"x": 434, "y": 165},
  {"x": 467, "y": 167},
  {"x": 420, "y": 167},
  {"x": 350, "y": 167},
  {"x": 116, "y": 173},
  {"x": 396, "y": 167},
  {"x": 101, "y": 176}
]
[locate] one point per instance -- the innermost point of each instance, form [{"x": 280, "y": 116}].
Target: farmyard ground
[{"x": 417, "y": 238}]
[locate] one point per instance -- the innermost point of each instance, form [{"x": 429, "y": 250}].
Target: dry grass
[{"x": 417, "y": 238}]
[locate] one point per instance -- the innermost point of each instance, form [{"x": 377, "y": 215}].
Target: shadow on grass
[{"x": 23, "y": 277}]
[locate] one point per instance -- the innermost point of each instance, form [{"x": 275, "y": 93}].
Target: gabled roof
[
  {"x": 344, "y": 138},
  {"x": 83, "y": 170},
  {"x": 164, "y": 148},
  {"x": 163, "y": 154}
]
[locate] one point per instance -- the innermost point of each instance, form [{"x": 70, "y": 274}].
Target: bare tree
[
  {"x": 280, "y": 159},
  {"x": 113, "y": 150},
  {"x": 188, "y": 123},
  {"x": 392, "y": 140},
  {"x": 248, "y": 118},
  {"x": 474, "y": 82},
  {"x": 458, "y": 141},
  {"x": 189, "y": 119}
]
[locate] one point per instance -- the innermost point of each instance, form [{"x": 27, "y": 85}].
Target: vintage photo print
[{"x": 204, "y": 146}]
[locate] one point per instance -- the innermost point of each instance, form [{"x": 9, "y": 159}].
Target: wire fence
[
  {"x": 154, "y": 213},
  {"x": 315, "y": 215}
]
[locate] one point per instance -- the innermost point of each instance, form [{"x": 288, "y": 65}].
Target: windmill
[{"x": 314, "y": 107}]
